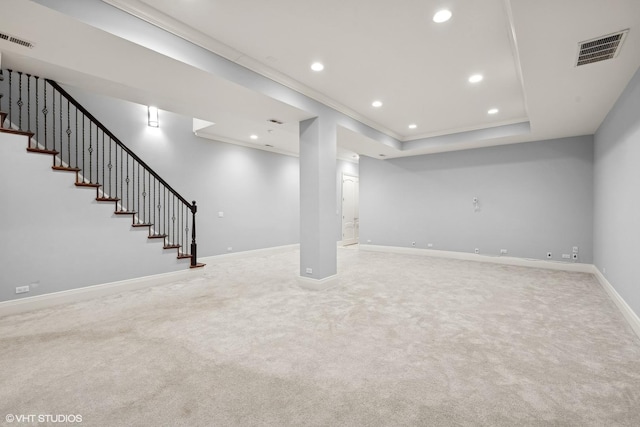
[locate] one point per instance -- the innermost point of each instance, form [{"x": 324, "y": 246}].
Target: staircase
[{"x": 56, "y": 124}]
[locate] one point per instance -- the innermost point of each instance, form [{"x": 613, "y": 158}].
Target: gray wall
[
  {"x": 257, "y": 191},
  {"x": 617, "y": 195},
  {"x": 533, "y": 197},
  {"x": 58, "y": 237}
]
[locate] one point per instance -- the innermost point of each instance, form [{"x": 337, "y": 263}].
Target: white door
[{"x": 350, "y": 220}]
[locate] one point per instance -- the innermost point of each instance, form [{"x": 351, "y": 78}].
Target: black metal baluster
[
  {"x": 110, "y": 166},
  {"x": 103, "y": 165},
  {"x": 20, "y": 103},
  {"x": 144, "y": 198},
  {"x": 28, "y": 101},
  {"x": 69, "y": 134},
  {"x": 90, "y": 150},
  {"x": 37, "y": 110},
  {"x": 53, "y": 117},
  {"x": 138, "y": 192},
  {"x": 127, "y": 181},
  {"x": 155, "y": 223},
  {"x": 115, "y": 179},
  {"x": 61, "y": 121},
  {"x": 124, "y": 208},
  {"x": 84, "y": 170},
  {"x": 76, "y": 150},
  {"x": 173, "y": 220},
  {"x": 45, "y": 111},
  {"x": 10, "y": 95}
]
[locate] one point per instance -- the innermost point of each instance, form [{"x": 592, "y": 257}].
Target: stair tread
[
  {"x": 107, "y": 199},
  {"x": 88, "y": 184},
  {"x": 65, "y": 168},
  {"x": 183, "y": 256},
  {"x": 17, "y": 132},
  {"x": 198, "y": 265},
  {"x": 171, "y": 246},
  {"x": 157, "y": 236},
  {"x": 125, "y": 212},
  {"x": 41, "y": 150},
  {"x": 142, "y": 225}
]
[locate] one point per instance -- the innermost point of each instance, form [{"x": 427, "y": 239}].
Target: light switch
[{"x": 220, "y": 214}]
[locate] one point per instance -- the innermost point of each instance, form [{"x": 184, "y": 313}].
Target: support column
[{"x": 318, "y": 250}]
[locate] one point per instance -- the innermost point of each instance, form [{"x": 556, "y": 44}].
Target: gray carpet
[{"x": 403, "y": 340}]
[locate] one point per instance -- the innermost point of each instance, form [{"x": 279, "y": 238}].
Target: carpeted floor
[{"x": 403, "y": 340}]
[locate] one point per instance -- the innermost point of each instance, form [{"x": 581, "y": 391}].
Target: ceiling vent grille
[
  {"x": 600, "y": 49},
  {"x": 12, "y": 39}
]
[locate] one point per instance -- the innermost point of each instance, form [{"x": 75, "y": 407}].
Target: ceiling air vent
[
  {"x": 600, "y": 49},
  {"x": 12, "y": 39}
]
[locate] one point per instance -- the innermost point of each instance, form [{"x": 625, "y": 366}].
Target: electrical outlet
[
  {"x": 229, "y": 249},
  {"x": 575, "y": 256},
  {"x": 368, "y": 240},
  {"x": 503, "y": 251},
  {"x": 429, "y": 245},
  {"x": 22, "y": 289},
  {"x": 413, "y": 243},
  {"x": 220, "y": 214},
  {"x": 549, "y": 255},
  {"x": 566, "y": 256},
  {"x": 309, "y": 270},
  {"x": 477, "y": 250},
  {"x": 575, "y": 249}
]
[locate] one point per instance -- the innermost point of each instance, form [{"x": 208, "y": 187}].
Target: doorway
[{"x": 350, "y": 210}]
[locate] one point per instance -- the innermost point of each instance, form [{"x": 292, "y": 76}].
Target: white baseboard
[
  {"x": 505, "y": 260},
  {"x": 318, "y": 284},
  {"x": 631, "y": 317},
  {"x": 253, "y": 252},
  {"x": 95, "y": 291}
]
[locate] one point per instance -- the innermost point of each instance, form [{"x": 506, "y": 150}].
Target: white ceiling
[{"x": 371, "y": 49}]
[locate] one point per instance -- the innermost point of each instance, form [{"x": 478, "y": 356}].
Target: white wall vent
[
  {"x": 16, "y": 40},
  {"x": 601, "y": 48}
]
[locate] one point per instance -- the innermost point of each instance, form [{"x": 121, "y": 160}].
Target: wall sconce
[{"x": 153, "y": 117}]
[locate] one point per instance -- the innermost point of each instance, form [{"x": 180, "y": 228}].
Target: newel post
[{"x": 194, "y": 246}]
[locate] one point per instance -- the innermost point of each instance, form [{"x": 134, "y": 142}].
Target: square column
[{"x": 318, "y": 247}]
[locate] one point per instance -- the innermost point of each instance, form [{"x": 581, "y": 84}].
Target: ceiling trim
[
  {"x": 227, "y": 140},
  {"x": 516, "y": 53},
  {"x": 177, "y": 28},
  {"x": 465, "y": 130}
]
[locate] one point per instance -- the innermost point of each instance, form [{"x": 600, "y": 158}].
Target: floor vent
[
  {"x": 12, "y": 39},
  {"x": 600, "y": 49}
]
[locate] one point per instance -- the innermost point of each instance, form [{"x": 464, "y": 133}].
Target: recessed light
[
  {"x": 493, "y": 111},
  {"x": 413, "y": 126},
  {"x": 317, "y": 66},
  {"x": 442, "y": 16},
  {"x": 475, "y": 78},
  {"x": 382, "y": 155},
  {"x": 355, "y": 156},
  {"x": 377, "y": 104},
  {"x": 268, "y": 145},
  {"x": 254, "y": 136}
]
